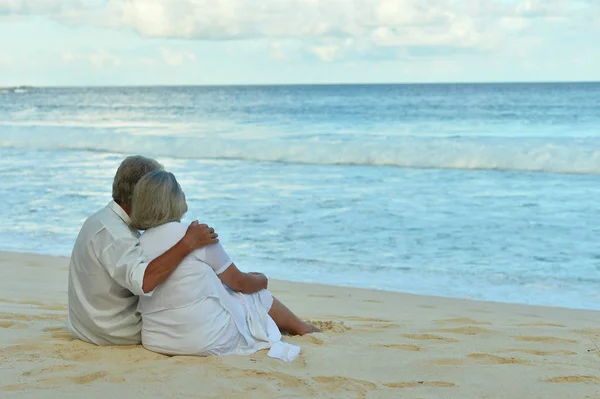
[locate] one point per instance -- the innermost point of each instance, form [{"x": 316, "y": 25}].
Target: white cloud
[
  {"x": 514, "y": 24},
  {"x": 99, "y": 59},
  {"x": 537, "y": 8},
  {"x": 323, "y": 25},
  {"x": 327, "y": 53},
  {"x": 40, "y": 6},
  {"x": 276, "y": 51},
  {"x": 177, "y": 58}
]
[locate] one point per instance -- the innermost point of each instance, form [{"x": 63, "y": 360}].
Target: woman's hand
[
  {"x": 261, "y": 276},
  {"x": 257, "y": 274},
  {"x": 246, "y": 283}
]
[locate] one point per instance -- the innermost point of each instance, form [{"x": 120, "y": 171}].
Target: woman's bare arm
[{"x": 246, "y": 283}]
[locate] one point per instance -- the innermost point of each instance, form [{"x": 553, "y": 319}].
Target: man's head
[{"x": 131, "y": 170}]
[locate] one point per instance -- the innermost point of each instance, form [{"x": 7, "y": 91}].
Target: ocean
[{"x": 481, "y": 191}]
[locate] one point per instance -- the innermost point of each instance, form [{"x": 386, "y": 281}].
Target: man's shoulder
[
  {"x": 107, "y": 222},
  {"x": 93, "y": 223}
]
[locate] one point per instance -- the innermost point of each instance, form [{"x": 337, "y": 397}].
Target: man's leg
[{"x": 288, "y": 321}]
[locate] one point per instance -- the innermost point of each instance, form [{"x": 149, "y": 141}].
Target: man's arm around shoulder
[{"x": 196, "y": 236}]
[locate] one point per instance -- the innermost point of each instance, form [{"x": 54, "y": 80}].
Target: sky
[{"x": 203, "y": 42}]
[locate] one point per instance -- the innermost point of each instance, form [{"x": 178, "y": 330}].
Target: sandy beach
[{"x": 374, "y": 345}]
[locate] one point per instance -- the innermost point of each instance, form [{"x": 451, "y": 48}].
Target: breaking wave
[{"x": 552, "y": 155}]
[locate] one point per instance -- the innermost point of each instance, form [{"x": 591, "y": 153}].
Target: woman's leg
[{"x": 288, "y": 321}]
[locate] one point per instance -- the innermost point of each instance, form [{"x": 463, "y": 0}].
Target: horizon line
[{"x": 26, "y": 86}]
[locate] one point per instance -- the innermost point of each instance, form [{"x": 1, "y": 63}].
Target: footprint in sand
[
  {"x": 53, "y": 307},
  {"x": 27, "y": 317},
  {"x": 51, "y": 369},
  {"x": 330, "y": 326},
  {"x": 416, "y": 384},
  {"x": 470, "y": 330},
  {"x": 371, "y": 301},
  {"x": 84, "y": 352},
  {"x": 321, "y": 296},
  {"x": 588, "y": 379},
  {"x": 478, "y": 358},
  {"x": 82, "y": 379},
  {"x": 491, "y": 359},
  {"x": 60, "y": 333},
  {"x": 195, "y": 360},
  {"x": 365, "y": 319},
  {"x": 311, "y": 338},
  {"x": 43, "y": 306},
  {"x": 546, "y": 339},
  {"x": 12, "y": 324},
  {"x": 588, "y": 331},
  {"x": 423, "y": 337},
  {"x": 338, "y": 383},
  {"x": 282, "y": 379},
  {"x": 379, "y": 325},
  {"x": 365, "y": 331},
  {"x": 542, "y": 353},
  {"x": 404, "y": 347},
  {"x": 19, "y": 387},
  {"x": 536, "y": 316},
  {"x": 539, "y": 325},
  {"x": 462, "y": 320}
]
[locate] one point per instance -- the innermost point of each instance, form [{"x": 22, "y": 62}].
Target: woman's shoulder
[
  {"x": 175, "y": 227},
  {"x": 168, "y": 228},
  {"x": 167, "y": 234}
]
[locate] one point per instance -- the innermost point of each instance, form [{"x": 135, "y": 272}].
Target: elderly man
[{"x": 108, "y": 270}]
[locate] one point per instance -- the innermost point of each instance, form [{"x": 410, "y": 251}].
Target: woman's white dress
[{"x": 193, "y": 312}]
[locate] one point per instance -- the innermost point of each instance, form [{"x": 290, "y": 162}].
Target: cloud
[
  {"x": 99, "y": 59},
  {"x": 538, "y": 8},
  {"x": 276, "y": 51},
  {"x": 40, "y": 7},
  {"x": 327, "y": 53},
  {"x": 177, "y": 58},
  {"x": 324, "y": 26}
]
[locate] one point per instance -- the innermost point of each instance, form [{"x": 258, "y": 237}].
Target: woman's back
[{"x": 184, "y": 315}]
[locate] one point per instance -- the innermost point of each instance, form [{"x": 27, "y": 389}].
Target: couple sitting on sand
[{"x": 174, "y": 288}]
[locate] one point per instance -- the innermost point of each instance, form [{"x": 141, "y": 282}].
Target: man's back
[{"x": 105, "y": 274}]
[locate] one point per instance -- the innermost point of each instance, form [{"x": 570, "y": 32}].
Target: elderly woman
[{"x": 207, "y": 306}]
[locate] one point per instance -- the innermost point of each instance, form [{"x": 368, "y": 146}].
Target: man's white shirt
[{"x": 106, "y": 274}]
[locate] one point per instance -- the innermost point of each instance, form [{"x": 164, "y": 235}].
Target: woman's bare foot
[
  {"x": 288, "y": 321},
  {"x": 308, "y": 328}
]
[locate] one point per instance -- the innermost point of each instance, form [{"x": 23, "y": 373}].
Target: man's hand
[{"x": 199, "y": 235}]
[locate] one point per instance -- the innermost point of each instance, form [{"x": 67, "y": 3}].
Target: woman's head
[{"x": 157, "y": 199}]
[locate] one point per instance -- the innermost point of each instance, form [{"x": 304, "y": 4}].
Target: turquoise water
[{"x": 480, "y": 191}]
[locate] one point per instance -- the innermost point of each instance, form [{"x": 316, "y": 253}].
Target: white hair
[
  {"x": 157, "y": 199},
  {"x": 129, "y": 173}
]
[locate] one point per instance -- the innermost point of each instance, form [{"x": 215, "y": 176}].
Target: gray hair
[
  {"x": 129, "y": 173},
  {"x": 157, "y": 199}
]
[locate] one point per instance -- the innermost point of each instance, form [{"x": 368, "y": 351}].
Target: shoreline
[
  {"x": 348, "y": 287},
  {"x": 374, "y": 344}
]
